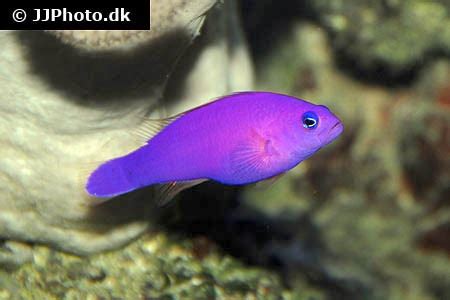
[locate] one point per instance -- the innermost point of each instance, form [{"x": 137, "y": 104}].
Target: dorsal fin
[{"x": 148, "y": 128}]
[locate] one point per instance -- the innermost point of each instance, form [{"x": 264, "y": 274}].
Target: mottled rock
[
  {"x": 368, "y": 216},
  {"x": 154, "y": 267},
  {"x": 394, "y": 35}
]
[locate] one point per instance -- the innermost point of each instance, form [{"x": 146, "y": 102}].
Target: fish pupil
[{"x": 310, "y": 120}]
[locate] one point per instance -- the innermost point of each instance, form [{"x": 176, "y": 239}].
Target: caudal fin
[{"x": 109, "y": 180}]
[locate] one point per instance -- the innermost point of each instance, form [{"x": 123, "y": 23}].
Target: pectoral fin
[{"x": 252, "y": 156}]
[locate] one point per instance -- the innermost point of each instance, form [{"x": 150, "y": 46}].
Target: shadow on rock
[{"x": 108, "y": 77}]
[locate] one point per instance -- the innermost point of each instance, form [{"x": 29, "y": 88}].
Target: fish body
[{"x": 237, "y": 139}]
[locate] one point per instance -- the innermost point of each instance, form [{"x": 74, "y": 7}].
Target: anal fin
[{"x": 166, "y": 192}]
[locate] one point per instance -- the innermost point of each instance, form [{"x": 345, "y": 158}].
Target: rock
[
  {"x": 14, "y": 254},
  {"x": 170, "y": 270},
  {"x": 376, "y": 40},
  {"x": 166, "y": 16},
  {"x": 70, "y": 99},
  {"x": 394, "y": 35},
  {"x": 372, "y": 205}
]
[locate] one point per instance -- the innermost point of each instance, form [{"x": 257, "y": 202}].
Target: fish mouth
[
  {"x": 332, "y": 133},
  {"x": 335, "y": 125},
  {"x": 336, "y": 130}
]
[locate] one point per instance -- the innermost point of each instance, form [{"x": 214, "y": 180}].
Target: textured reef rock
[
  {"x": 368, "y": 217},
  {"x": 381, "y": 39},
  {"x": 392, "y": 34},
  {"x": 69, "y": 99},
  {"x": 155, "y": 267}
]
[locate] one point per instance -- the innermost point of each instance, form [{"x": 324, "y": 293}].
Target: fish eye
[{"x": 310, "y": 120}]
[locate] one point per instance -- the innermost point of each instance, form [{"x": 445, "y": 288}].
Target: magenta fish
[{"x": 238, "y": 139}]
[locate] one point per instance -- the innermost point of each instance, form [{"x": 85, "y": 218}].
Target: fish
[{"x": 237, "y": 139}]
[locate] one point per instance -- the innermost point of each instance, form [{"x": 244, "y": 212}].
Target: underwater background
[{"x": 368, "y": 217}]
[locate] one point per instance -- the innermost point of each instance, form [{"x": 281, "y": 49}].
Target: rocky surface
[
  {"x": 391, "y": 35},
  {"x": 370, "y": 211},
  {"x": 155, "y": 267}
]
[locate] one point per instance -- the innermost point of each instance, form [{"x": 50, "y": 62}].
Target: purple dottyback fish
[{"x": 238, "y": 139}]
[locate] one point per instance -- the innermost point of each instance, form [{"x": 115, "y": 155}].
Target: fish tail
[{"x": 109, "y": 180}]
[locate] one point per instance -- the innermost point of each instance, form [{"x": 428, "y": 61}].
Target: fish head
[{"x": 311, "y": 127}]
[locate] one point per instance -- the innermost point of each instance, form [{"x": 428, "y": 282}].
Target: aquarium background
[{"x": 367, "y": 217}]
